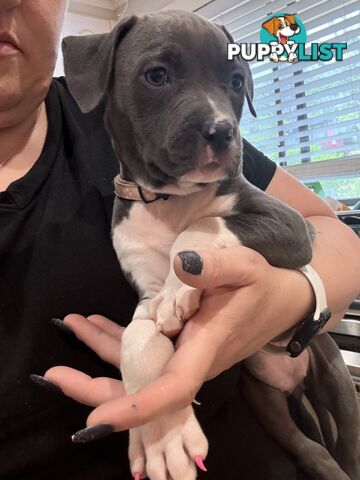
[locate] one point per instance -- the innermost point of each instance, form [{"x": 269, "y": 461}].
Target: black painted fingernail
[
  {"x": 191, "y": 262},
  {"x": 61, "y": 326},
  {"x": 90, "y": 434},
  {"x": 45, "y": 383}
]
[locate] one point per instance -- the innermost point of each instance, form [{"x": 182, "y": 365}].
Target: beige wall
[
  {"x": 142, "y": 6},
  {"x": 86, "y": 17},
  {"x": 77, "y": 24}
]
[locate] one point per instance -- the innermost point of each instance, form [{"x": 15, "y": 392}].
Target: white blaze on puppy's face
[
  {"x": 211, "y": 167},
  {"x": 219, "y": 114}
]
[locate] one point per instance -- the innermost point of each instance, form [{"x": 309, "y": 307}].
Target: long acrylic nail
[
  {"x": 90, "y": 434},
  {"x": 61, "y": 326},
  {"x": 191, "y": 262},
  {"x": 200, "y": 463},
  {"x": 45, "y": 383}
]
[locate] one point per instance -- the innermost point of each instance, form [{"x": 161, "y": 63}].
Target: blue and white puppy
[{"x": 173, "y": 107}]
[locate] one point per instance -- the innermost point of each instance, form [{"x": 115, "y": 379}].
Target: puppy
[
  {"x": 282, "y": 28},
  {"x": 173, "y": 107}
]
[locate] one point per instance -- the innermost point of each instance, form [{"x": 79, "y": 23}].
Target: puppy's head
[
  {"x": 282, "y": 27},
  {"x": 174, "y": 102}
]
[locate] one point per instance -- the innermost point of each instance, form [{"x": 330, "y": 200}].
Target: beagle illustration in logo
[{"x": 282, "y": 28}]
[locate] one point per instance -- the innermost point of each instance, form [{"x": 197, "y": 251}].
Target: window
[{"x": 308, "y": 112}]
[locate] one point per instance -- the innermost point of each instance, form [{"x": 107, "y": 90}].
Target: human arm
[{"x": 336, "y": 248}]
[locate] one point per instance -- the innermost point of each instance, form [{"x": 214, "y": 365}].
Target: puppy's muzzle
[{"x": 219, "y": 135}]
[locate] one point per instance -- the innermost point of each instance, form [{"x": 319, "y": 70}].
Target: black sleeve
[{"x": 257, "y": 168}]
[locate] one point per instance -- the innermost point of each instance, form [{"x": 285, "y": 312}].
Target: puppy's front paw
[
  {"x": 172, "y": 307},
  {"x": 168, "y": 447}
]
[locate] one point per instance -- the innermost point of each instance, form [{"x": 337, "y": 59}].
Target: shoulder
[
  {"x": 71, "y": 111},
  {"x": 84, "y": 135},
  {"x": 258, "y": 169},
  {"x": 85, "y": 147}
]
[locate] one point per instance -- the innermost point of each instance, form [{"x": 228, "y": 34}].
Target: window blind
[{"x": 307, "y": 111}]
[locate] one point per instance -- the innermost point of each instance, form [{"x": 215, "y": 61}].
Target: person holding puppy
[{"x": 56, "y": 172}]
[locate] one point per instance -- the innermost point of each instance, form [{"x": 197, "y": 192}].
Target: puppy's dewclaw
[{"x": 159, "y": 328}]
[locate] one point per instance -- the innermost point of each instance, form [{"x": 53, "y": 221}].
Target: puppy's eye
[
  {"x": 157, "y": 77},
  {"x": 237, "y": 82}
]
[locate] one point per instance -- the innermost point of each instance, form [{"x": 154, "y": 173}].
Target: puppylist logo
[{"x": 282, "y": 39}]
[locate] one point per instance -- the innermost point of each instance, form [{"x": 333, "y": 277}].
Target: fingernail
[
  {"x": 61, "y": 326},
  {"x": 200, "y": 463},
  {"x": 45, "y": 383},
  {"x": 90, "y": 434},
  {"x": 191, "y": 262},
  {"x": 137, "y": 476}
]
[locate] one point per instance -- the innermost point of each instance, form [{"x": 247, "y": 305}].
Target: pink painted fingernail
[
  {"x": 200, "y": 463},
  {"x": 137, "y": 476}
]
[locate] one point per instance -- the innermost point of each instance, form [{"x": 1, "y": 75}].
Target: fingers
[
  {"x": 109, "y": 327},
  {"x": 84, "y": 389},
  {"x": 99, "y": 334},
  {"x": 156, "y": 398},
  {"x": 232, "y": 266}
]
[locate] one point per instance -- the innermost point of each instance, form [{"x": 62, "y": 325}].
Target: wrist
[
  {"x": 310, "y": 325},
  {"x": 297, "y": 302}
]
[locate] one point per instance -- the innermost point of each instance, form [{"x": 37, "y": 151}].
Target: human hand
[
  {"x": 104, "y": 337},
  {"x": 246, "y": 303}
]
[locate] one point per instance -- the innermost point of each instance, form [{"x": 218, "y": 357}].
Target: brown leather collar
[{"x": 131, "y": 191}]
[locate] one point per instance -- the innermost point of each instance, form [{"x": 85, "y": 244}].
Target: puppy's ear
[
  {"x": 88, "y": 63},
  {"x": 249, "y": 90},
  {"x": 291, "y": 19},
  {"x": 271, "y": 25},
  {"x": 249, "y": 84}
]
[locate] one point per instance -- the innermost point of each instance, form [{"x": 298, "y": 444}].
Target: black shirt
[{"x": 56, "y": 257}]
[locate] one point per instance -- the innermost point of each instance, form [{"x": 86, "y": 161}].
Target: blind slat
[
  {"x": 250, "y": 33},
  {"x": 291, "y": 122},
  {"x": 341, "y": 79},
  {"x": 305, "y": 71},
  {"x": 311, "y": 18},
  {"x": 306, "y": 110},
  {"x": 291, "y": 137},
  {"x": 289, "y": 90},
  {"x": 271, "y": 146},
  {"x": 314, "y": 100}
]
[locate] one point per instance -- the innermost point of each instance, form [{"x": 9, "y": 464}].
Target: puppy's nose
[
  {"x": 294, "y": 27},
  {"x": 219, "y": 135}
]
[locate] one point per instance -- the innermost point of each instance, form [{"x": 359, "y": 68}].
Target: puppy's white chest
[{"x": 144, "y": 238}]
